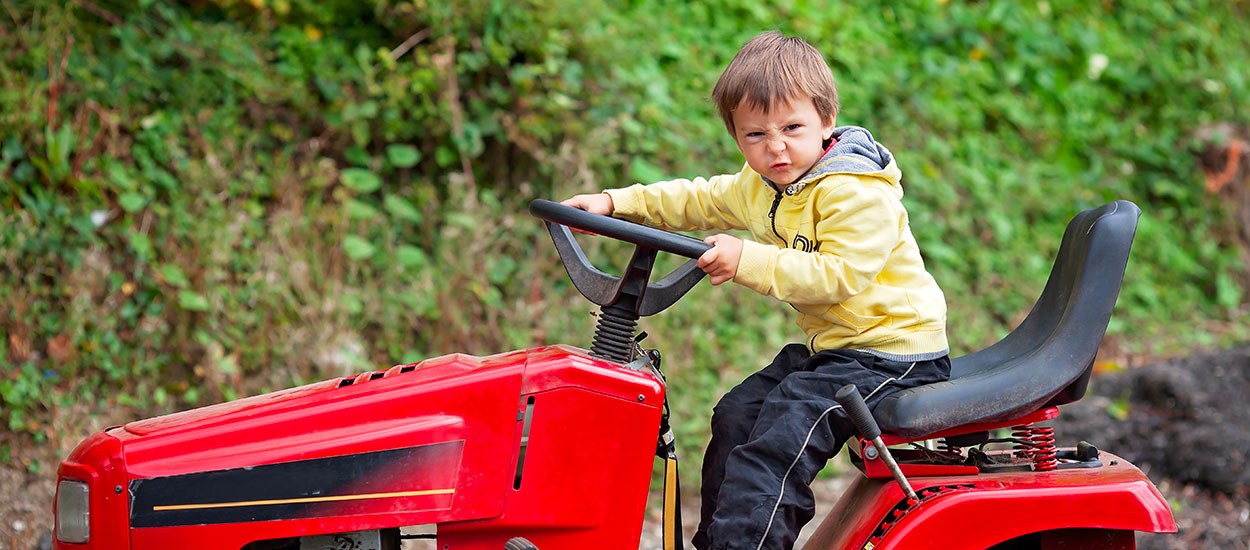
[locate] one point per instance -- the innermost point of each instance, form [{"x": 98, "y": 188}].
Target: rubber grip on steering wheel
[{"x": 658, "y": 239}]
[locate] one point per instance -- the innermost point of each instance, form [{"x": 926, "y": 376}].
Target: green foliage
[{"x": 201, "y": 200}]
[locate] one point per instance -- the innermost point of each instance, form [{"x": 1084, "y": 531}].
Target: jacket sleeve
[
  {"x": 683, "y": 205},
  {"x": 858, "y": 229}
]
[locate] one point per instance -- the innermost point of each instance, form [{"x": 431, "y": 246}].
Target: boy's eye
[
  {"x": 755, "y": 134},
  {"x": 793, "y": 127}
]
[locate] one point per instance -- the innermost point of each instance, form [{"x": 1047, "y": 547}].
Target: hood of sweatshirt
[{"x": 854, "y": 151}]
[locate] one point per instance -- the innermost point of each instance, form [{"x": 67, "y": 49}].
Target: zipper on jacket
[{"x": 772, "y": 215}]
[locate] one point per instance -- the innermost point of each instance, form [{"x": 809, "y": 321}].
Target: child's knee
[
  {"x": 803, "y": 386},
  {"x": 741, "y": 398},
  {"x": 726, "y": 409},
  {"x": 733, "y": 416}
]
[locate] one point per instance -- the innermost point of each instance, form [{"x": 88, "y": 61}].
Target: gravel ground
[{"x": 26, "y": 509}]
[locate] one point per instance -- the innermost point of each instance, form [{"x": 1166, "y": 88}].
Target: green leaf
[
  {"x": 1118, "y": 409},
  {"x": 501, "y": 270},
  {"x": 358, "y": 248},
  {"x": 402, "y": 209},
  {"x": 420, "y": 303},
  {"x": 357, "y": 156},
  {"x": 361, "y": 180},
  {"x": 642, "y": 171},
  {"x": 402, "y": 155},
  {"x": 462, "y": 220},
  {"x": 1227, "y": 290},
  {"x": 411, "y": 257},
  {"x": 407, "y": 357},
  {"x": 132, "y": 202},
  {"x": 12, "y": 150},
  {"x": 173, "y": 275},
  {"x": 192, "y": 301},
  {"x": 361, "y": 210},
  {"x": 445, "y": 156},
  {"x": 141, "y": 245},
  {"x": 352, "y": 304},
  {"x": 228, "y": 365}
]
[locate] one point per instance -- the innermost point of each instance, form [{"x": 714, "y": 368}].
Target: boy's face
[{"x": 785, "y": 143}]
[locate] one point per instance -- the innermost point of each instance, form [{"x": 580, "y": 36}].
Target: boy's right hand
[{"x": 595, "y": 203}]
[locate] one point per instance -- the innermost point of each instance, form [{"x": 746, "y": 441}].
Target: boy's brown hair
[{"x": 772, "y": 69}]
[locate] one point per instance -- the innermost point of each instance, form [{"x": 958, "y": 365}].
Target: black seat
[{"x": 1047, "y": 360}]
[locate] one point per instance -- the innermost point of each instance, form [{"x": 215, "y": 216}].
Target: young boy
[{"x": 831, "y": 238}]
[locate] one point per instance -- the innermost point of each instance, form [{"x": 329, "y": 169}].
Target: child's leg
[
  {"x": 732, "y": 421},
  {"x": 765, "y": 498}
]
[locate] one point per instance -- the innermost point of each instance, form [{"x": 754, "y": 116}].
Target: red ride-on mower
[{"x": 552, "y": 448}]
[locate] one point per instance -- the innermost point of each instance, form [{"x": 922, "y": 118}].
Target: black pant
[{"x": 776, "y": 430}]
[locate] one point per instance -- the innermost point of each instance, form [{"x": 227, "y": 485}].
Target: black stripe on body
[{"x": 423, "y": 477}]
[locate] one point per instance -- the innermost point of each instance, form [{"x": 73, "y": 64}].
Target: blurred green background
[{"x": 208, "y": 199}]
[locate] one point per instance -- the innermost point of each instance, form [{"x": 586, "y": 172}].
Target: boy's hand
[
  {"x": 595, "y": 203},
  {"x": 721, "y": 261}
]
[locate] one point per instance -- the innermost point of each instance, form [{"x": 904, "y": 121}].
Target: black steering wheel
[{"x": 630, "y": 294}]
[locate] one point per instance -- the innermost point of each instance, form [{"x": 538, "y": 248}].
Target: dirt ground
[
  {"x": 26, "y": 509},
  {"x": 1183, "y": 422}
]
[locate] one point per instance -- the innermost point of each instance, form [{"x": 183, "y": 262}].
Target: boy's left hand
[{"x": 721, "y": 261}]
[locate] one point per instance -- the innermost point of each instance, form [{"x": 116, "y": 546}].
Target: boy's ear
[{"x": 826, "y": 131}]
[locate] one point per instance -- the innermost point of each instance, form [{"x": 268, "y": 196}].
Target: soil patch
[{"x": 1184, "y": 423}]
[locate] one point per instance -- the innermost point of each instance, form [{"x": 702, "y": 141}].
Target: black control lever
[{"x": 853, "y": 403}]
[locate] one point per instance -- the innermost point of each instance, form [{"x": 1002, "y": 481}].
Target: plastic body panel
[
  {"x": 434, "y": 442},
  {"x": 98, "y": 462},
  {"x": 980, "y": 511},
  {"x": 588, "y": 462}
]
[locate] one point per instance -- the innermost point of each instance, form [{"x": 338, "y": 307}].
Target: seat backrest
[{"x": 1047, "y": 360}]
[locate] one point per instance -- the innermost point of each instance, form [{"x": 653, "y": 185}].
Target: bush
[{"x": 210, "y": 199}]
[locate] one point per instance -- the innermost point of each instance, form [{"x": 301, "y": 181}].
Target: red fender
[{"x": 979, "y": 511}]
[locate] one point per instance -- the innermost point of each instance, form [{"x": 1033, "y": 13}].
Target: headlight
[{"x": 73, "y": 511}]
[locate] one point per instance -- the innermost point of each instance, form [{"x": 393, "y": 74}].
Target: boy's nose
[{"x": 776, "y": 146}]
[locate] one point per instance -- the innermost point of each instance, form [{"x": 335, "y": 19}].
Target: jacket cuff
[
  {"x": 626, "y": 203},
  {"x": 755, "y": 266}
]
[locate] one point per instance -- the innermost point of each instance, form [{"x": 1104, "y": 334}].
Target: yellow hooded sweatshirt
[{"x": 836, "y": 245}]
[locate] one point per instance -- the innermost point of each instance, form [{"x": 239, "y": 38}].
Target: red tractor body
[
  {"x": 437, "y": 442},
  {"x": 441, "y": 442}
]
